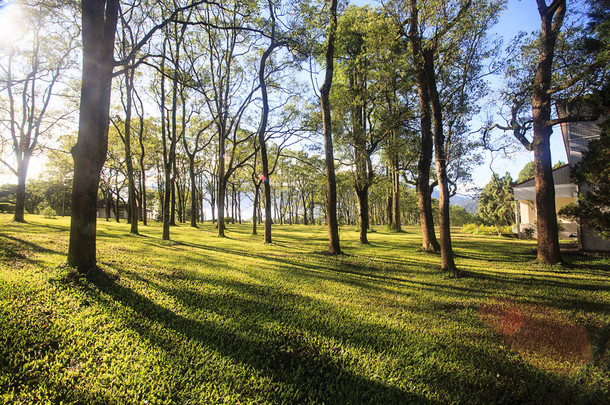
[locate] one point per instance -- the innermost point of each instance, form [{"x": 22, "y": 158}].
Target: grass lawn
[{"x": 203, "y": 320}]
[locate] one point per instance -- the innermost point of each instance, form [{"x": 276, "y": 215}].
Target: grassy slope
[{"x": 209, "y": 320}]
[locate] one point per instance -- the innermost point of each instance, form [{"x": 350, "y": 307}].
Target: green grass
[{"x": 202, "y": 319}]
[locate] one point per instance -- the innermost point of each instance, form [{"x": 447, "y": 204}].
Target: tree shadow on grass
[
  {"x": 297, "y": 354},
  {"x": 285, "y": 358}
]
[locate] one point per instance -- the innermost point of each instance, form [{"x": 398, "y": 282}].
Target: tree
[
  {"x": 99, "y": 21},
  {"x": 496, "y": 202},
  {"x": 365, "y": 40},
  {"x": 538, "y": 81},
  {"x": 527, "y": 172},
  {"x": 32, "y": 70},
  {"x": 331, "y": 208}
]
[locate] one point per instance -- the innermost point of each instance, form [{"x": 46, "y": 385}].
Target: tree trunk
[
  {"x": 107, "y": 203},
  {"x": 396, "y": 225},
  {"x": 99, "y": 20},
  {"x": 333, "y": 226},
  {"x": 447, "y": 262},
  {"x": 429, "y": 242},
  {"x": 193, "y": 191},
  {"x": 167, "y": 158},
  {"x": 131, "y": 184},
  {"x": 363, "y": 213},
  {"x": 143, "y": 192},
  {"x": 546, "y": 217},
  {"x": 255, "y": 208},
  {"x": 22, "y": 171}
]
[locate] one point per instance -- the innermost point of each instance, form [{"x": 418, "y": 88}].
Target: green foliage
[
  {"x": 212, "y": 320},
  {"x": 529, "y": 233},
  {"x": 48, "y": 212},
  {"x": 526, "y": 173},
  {"x": 593, "y": 174},
  {"x": 7, "y": 207},
  {"x": 496, "y": 202},
  {"x": 459, "y": 216},
  {"x": 8, "y": 194},
  {"x": 487, "y": 230}
]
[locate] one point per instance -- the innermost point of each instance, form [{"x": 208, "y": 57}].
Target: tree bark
[
  {"x": 166, "y": 156},
  {"x": 193, "y": 191},
  {"x": 429, "y": 242},
  {"x": 396, "y": 225},
  {"x": 255, "y": 208},
  {"x": 99, "y": 20},
  {"x": 331, "y": 211},
  {"x": 447, "y": 261},
  {"x": 22, "y": 172},
  {"x": 546, "y": 217},
  {"x": 131, "y": 184}
]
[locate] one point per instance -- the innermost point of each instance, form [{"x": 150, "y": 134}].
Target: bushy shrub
[
  {"x": 487, "y": 230},
  {"x": 506, "y": 230},
  {"x": 529, "y": 233},
  {"x": 7, "y": 207},
  {"x": 470, "y": 228},
  {"x": 48, "y": 212}
]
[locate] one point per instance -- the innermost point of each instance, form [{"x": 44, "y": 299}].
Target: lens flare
[{"x": 543, "y": 336}]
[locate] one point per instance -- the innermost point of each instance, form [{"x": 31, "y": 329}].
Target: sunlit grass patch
[{"x": 204, "y": 319}]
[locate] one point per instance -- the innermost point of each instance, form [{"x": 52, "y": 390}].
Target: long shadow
[
  {"x": 15, "y": 242},
  {"x": 316, "y": 376},
  {"x": 288, "y": 355}
]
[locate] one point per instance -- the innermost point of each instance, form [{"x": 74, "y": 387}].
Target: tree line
[{"x": 183, "y": 102}]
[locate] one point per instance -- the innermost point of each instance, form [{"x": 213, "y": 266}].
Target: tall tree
[
  {"x": 99, "y": 21},
  {"x": 365, "y": 41},
  {"x": 496, "y": 202},
  {"x": 334, "y": 247},
  {"x": 551, "y": 19},
  {"x": 538, "y": 80},
  {"x": 31, "y": 72}
]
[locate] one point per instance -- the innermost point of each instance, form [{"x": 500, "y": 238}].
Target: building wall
[
  {"x": 101, "y": 213},
  {"x": 528, "y": 217}
]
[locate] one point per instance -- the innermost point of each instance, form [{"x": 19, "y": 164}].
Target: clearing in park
[{"x": 203, "y": 319}]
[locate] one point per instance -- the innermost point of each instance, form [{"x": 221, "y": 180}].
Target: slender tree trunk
[
  {"x": 166, "y": 160},
  {"x": 447, "y": 262},
  {"x": 546, "y": 217},
  {"x": 143, "y": 191},
  {"x": 363, "y": 213},
  {"x": 263, "y": 144},
  {"x": 304, "y": 201},
  {"x": 142, "y": 169},
  {"x": 396, "y": 225},
  {"x": 131, "y": 184},
  {"x": 108, "y": 203},
  {"x": 22, "y": 172},
  {"x": 99, "y": 20},
  {"x": 172, "y": 189},
  {"x": 333, "y": 226},
  {"x": 193, "y": 191},
  {"x": 429, "y": 242},
  {"x": 255, "y": 208}
]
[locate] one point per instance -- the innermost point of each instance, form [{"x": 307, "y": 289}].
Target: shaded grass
[{"x": 203, "y": 319}]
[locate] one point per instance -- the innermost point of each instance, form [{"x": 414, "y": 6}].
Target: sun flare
[{"x": 10, "y": 28}]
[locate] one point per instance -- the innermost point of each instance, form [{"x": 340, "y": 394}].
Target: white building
[{"x": 576, "y": 137}]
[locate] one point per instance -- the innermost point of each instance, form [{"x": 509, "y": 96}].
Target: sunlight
[{"x": 10, "y": 28}]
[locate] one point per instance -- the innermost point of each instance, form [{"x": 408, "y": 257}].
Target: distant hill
[{"x": 470, "y": 204}]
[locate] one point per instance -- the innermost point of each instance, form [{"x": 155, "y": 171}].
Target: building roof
[{"x": 564, "y": 188}]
